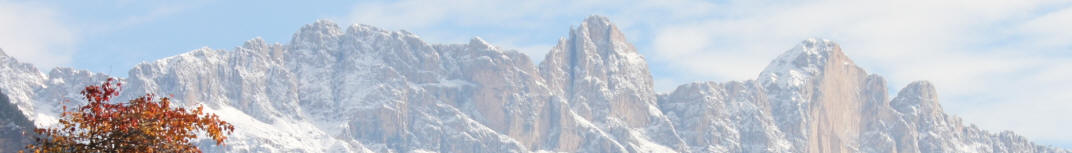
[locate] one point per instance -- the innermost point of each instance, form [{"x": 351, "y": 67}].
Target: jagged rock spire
[
  {"x": 479, "y": 43},
  {"x": 916, "y": 99},
  {"x": 596, "y": 66},
  {"x": 606, "y": 81},
  {"x": 803, "y": 61},
  {"x": 320, "y": 31}
]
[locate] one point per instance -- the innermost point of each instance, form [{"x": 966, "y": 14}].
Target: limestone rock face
[
  {"x": 596, "y": 68},
  {"x": 606, "y": 81},
  {"x": 724, "y": 117},
  {"x": 813, "y": 98},
  {"x": 360, "y": 88}
]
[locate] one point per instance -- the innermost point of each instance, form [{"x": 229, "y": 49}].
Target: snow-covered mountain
[{"x": 366, "y": 89}]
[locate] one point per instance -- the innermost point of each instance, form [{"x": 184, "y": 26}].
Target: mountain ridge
[{"x": 365, "y": 89}]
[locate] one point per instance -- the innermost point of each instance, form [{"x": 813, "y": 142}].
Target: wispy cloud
[
  {"x": 36, "y": 33},
  {"x": 148, "y": 11}
]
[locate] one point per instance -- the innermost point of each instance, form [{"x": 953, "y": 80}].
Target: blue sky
[{"x": 1003, "y": 65}]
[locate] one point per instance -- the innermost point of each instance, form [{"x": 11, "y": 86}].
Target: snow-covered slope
[{"x": 366, "y": 89}]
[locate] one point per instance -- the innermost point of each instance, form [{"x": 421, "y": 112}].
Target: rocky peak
[
  {"x": 255, "y": 44},
  {"x": 797, "y": 66},
  {"x": 596, "y": 65},
  {"x": 478, "y": 43},
  {"x": 599, "y": 30},
  {"x": 364, "y": 29},
  {"x": 606, "y": 39},
  {"x": 203, "y": 53},
  {"x": 322, "y": 26},
  {"x": 62, "y": 82},
  {"x": 320, "y": 31},
  {"x": 606, "y": 81},
  {"x": 918, "y": 98},
  {"x": 875, "y": 92},
  {"x": 256, "y": 48},
  {"x": 809, "y": 55},
  {"x": 598, "y": 49},
  {"x": 69, "y": 72},
  {"x": 816, "y": 88},
  {"x": 10, "y": 65},
  {"x": 371, "y": 39}
]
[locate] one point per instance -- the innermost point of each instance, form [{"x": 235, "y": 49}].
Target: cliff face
[
  {"x": 813, "y": 98},
  {"x": 365, "y": 89},
  {"x": 607, "y": 82}
]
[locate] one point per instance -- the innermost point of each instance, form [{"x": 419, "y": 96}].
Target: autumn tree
[{"x": 144, "y": 124}]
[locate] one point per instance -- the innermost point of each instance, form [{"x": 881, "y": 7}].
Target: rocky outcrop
[{"x": 724, "y": 117}]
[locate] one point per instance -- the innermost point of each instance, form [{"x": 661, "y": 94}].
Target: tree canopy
[{"x": 144, "y": 124}]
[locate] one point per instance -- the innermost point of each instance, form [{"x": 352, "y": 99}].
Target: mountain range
[{"x": 367, "y": 89}]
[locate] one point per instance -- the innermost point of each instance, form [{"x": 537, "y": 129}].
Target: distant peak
[
  {"x": 311, "y": 35},
  {"x": 599, "y": 30},
  {"x": 816, "y": 40},
  {"x": 922, "y": 89},
  {"x": 918, "y": 98},
  {"x": 805, "y": 60},
  {"x": 256, "y": 42},
  {"x": 819, "y": 44},
  {"x": 69, "y": 72},
  {"x": 598, "y": 35},
  {"x": 2, "y": 54},
  {"x": 479, "y": 43},
  {"x": 596, "y": 20},
  {"x": 599, "y": 50},
  {"x": 202, "y": 52},
  {"x": 812, "y": 51},
  {"x": 355, "y": 28},
  {"x": 324, "y": 22},
  {"x": 321, "y": 26}
]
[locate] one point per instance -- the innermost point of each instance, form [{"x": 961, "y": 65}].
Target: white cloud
[
  {"x": 1049, "y": 30},
  {"x": 34, "y": 33},
  {"x": 154, "y": 10}
]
